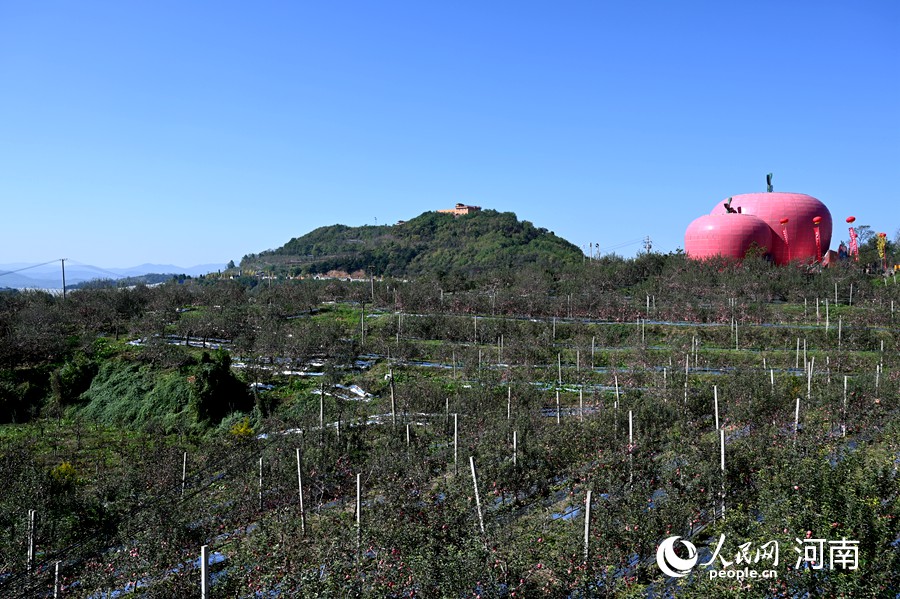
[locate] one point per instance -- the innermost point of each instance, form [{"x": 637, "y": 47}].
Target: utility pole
[
  {"x": 62, "y": 262},
  {"x": 648, "y": 244}
]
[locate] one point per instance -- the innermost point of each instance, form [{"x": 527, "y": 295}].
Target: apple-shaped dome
[
  {"x": 799, "y": 209},
  {"x": 729, "y": 235}
]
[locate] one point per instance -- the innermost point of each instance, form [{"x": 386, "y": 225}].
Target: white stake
[
  {"x": 593, "y": 339},
  {"x": 508, "y": 403},
  {"x": 407, "y": 434},
  {"x": 581, "y": 404},
  {"x": 260, "y": 483},
  {"x": 455, "y": 443},
  {"x": 393, "y": 401},
  {"x": 809, "y": 378},
  {"x": 840, "y": 327},
  {"x": 716, "y": 403},
  {"x": 183, "y": 473},
  {"x": 772, "y": 378},
  {"x": 835, "y": 293},
  {"x": 587, "y": 525},
  {"x": 204, "y": 572},
  {"x": 515, "y": 448},
  {"x": 630, "y": 431},
  {"x": 827, "y": 318},
  {"x": 558, "y": 421},
  {"x": 56, "y": 579},
  {"x": 300, "y": 490},
  {"x": 32, "y": 514},
  {"x": 877, "y": 376},
  {"x": 797, "y": 358},
  {"x": 722, "y": 465},
  {"x": 844, "y": 411},
  {"x": 796, "y": 421},
  {"x": 559, "y": 367},
  {"x": 358, "y": 509},
  {"x": 851, "y": 294},
  {"x": 477, "y": 497}
]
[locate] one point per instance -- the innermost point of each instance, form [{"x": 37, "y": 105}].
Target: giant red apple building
[{"x": 780, "y": 222}]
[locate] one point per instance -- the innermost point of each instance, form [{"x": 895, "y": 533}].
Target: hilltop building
[{"x": 461, "y": 210}]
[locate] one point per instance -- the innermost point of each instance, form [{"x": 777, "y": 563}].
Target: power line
[{"x": 9, "y": 272}]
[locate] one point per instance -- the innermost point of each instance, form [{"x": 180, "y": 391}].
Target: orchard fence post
[
  {"x": 32, "y": 515},
  {"x": 477, "y": 497},
  {"x": 587, "y": 526},
  {"x": 358, "y": 511},
  {"x": 204, "y": 572},
  {"x": 300, "y": 489}
]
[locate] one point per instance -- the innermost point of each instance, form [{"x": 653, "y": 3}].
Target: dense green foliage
[{"x": 432, "y": 243}]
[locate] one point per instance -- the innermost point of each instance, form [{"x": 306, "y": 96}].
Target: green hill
[{"x": 432, "y": 243}]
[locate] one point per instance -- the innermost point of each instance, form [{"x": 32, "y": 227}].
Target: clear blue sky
[{"x": 187, "y": 132}]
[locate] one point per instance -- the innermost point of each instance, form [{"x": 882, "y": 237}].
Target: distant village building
[{"x": 461, "y": 210}]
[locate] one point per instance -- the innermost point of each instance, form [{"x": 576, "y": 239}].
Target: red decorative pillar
[
  {"x": 784, "y": 232},
  {"x": 816, "y": 221}
]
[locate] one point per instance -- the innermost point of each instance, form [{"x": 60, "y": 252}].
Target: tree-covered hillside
[{"x": 430, "y": 243}]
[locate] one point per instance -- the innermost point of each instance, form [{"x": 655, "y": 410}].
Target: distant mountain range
[{"x": 49, "y": 276}]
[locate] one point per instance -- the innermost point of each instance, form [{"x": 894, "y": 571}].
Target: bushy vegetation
[
  {"x": 432, "y": 243},
  {"x": 116, "y": 393}
]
